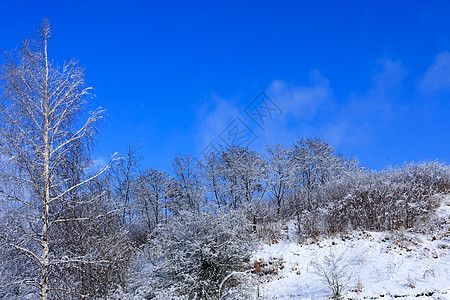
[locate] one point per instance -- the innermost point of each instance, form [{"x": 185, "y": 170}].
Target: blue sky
[{"x": 370, "y": 77}]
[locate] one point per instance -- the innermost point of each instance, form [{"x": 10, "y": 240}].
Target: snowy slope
[{"x": 405, "y": 264}]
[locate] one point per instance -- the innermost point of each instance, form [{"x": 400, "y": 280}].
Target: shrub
[
  {"x": 332, "y": 270},
  {"x": 387, "y": 200},
  {"x": 193, "y": 253}
]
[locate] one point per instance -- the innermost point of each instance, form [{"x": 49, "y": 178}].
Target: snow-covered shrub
[
  {"x": 410, "y": 282},
  {"x": 266, "y": 224},
  {"x": 392, "y": 199},
  {"x": 432, "y": 177},
  {"x": 193, "y": 253},
  {"x": 333, "y": 271},
  {"x": 359, "y": 286}
]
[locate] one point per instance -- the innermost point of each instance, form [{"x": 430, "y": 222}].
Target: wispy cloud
[
  {"x": 214, "y": 116},
  {"x": 389, "y": 116},
  {"x": 312, "y": 110},
  {"x": 302, "y": 102},
  {"x": 363, "y": 111},
  {"x": 437, "y": 77},
  {"x": 301, "y": 107}
]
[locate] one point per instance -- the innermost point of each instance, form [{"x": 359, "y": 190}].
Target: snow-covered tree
[
  {"x": 316, "y": 162},
  {"x": 280, "y": 178},
  {"x": 95, "y": 248},
  {"x": 185, "y": 190},
  {"x": 41, "y": 111},
  {"x": 212, "y": 171},
  {"x": 124, "y": 173},
  {"x": 150, "y": 194},
  {"x": 242, "y": 175}
]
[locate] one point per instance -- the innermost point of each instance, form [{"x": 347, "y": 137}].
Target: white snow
[{"x": 404, "y": 264}]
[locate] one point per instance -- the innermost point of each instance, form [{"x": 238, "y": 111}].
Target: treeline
[
  {"x": 309, "y": 182},
  {"x": 71, "y": 229}
]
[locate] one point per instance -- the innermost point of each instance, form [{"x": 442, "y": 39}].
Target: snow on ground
[{"x": 377, "y": 265}]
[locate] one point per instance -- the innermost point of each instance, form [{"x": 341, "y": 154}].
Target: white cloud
[
  {"x": 437, "y": 77},
  {"x": 388, "y": 77},
  {"x": 312, "y": 110},
  {"x": 215, "y": 115},
  {"x": 358, "y": 116},
  {"x": 299, "y": 104},
  {"x": 302, "y": 102}
]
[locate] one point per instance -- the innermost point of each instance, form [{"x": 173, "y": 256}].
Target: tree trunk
[{"x": 46, "y": 175}]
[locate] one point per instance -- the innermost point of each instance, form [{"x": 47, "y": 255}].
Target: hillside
[{"x": 413, "y": 263}]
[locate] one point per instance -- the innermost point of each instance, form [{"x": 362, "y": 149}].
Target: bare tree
[
  {"x": 125, "y": 172},
  {"x": 243, "y": 173},
  {"x": 150, "y": 190},
  {"x": 316, "y": 163},
  {"x": 212, "y": 172},
  {"x": 280, "y": 179},
  {"x": 41, "y": 114},
  {"x": 185, "y": 190}
]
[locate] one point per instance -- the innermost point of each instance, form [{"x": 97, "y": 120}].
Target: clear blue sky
[{"x": 370, "y": 77}]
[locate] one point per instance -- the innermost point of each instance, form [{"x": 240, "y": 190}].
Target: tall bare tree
[
  {"x": 316, "y": 163},
  {"x": 150, "y": 190},
  {"x": 41, "y": 114},
  {"x": 185, "y": 191},
  {"x": 244, "y": 171},
  {"x": 280, "y": 178},
  {"x": 124, "y": 173}
]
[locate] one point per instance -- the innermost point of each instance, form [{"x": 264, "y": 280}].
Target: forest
[{"x": 74, "y": 229}]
